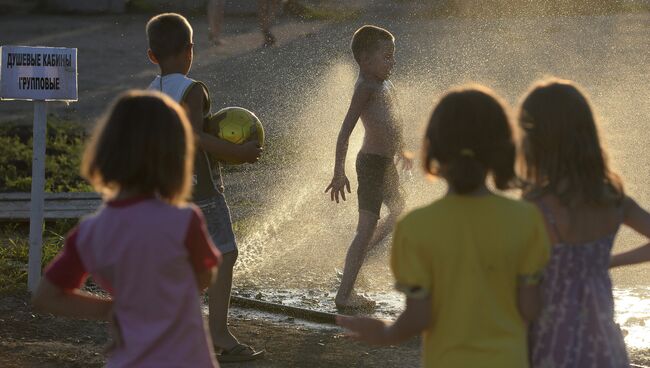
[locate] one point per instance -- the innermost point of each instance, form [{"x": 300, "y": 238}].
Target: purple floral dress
[{"x": 576, "y": 327}]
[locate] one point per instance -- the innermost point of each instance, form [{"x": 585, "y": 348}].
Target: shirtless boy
[{"x": 374, "y": 101}]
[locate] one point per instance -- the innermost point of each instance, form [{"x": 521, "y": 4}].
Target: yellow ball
[{"x": 236, "y": 125}]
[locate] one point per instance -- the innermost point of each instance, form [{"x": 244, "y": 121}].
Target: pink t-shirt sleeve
[
  {"x": 66, "y": 270},
  {"x": 203, "y": 254}
]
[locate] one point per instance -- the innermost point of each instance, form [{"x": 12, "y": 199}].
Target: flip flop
[{"x": 239, "y": 353}]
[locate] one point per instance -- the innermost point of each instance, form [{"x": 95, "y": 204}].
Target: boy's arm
[
  {"x": 247, "y": 152},
  {"x": 75, "y": 303},
  {"x": 340, "y": 182},
  {"x": 638, "y": 219},
  {"x": 415, "y": 319}
]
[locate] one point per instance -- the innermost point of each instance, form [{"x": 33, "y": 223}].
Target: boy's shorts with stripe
[{"x": 219, "y": 223}]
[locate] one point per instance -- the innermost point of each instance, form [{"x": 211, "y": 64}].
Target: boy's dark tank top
[{"x": 206, "y": 180}]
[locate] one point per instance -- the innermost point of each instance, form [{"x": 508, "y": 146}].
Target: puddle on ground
[{"x": 632, "y": 308}]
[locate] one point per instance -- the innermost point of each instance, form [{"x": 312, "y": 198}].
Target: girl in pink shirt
[{"x": 146, "y": 246}]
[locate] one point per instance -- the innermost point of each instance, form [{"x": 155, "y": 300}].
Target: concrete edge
[
  {"x": 296, "y": 312},
  {"x": 302, "y": 313}
]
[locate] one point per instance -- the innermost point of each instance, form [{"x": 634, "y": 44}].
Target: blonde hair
[
  {"x": 562, "y": 152},
  {"x": 144, "y": 144}
]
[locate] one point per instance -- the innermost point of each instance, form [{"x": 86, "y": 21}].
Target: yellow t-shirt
[{"x": 469, "y": 254}]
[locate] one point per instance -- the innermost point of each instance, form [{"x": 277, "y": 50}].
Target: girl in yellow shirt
[{"x": 469, "y": 262}]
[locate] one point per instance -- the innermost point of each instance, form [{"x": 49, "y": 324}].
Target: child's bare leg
[
  {"x": 354, "y": 260},
  {"x": 387, "y": 224},
  {"x": 265, "y": 14},
  {"x": 219, "y": 302},
  {"x": 215, "y": 19},
  {"x": 383, "y": 229}
]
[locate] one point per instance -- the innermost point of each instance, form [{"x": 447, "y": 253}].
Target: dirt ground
[
  {"x": 29, "y": 339},
  {"x": 32, "y": 340}
]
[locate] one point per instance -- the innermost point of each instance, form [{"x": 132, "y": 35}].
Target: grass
[
  {"x": 63, "y": 157},
  {"x": 14, "y": 252}
]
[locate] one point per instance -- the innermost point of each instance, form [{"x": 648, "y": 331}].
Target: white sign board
[{"x": 38, "y": 73}]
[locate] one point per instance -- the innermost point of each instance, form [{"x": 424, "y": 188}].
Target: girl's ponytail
[{"x": 465, "y": 173}]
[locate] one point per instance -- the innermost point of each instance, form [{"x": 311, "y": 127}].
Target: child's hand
[
  {"x": 338, "y": 185},
  {"x": 250, "y": 152},
  {"x": 366, "y": 329}
]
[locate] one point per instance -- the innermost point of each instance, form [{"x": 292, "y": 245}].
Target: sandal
[{"x": 239, "y": 353}]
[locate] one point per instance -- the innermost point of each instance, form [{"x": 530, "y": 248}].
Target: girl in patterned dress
[{"x": 566, "y": 174}]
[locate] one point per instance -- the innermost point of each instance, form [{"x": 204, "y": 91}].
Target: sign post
[
  {"x": 37, "y": 197},
  {"x": 37, "y": 74}
]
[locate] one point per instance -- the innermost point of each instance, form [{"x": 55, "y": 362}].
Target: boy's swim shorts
[{"x": 378, "y": 182}]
